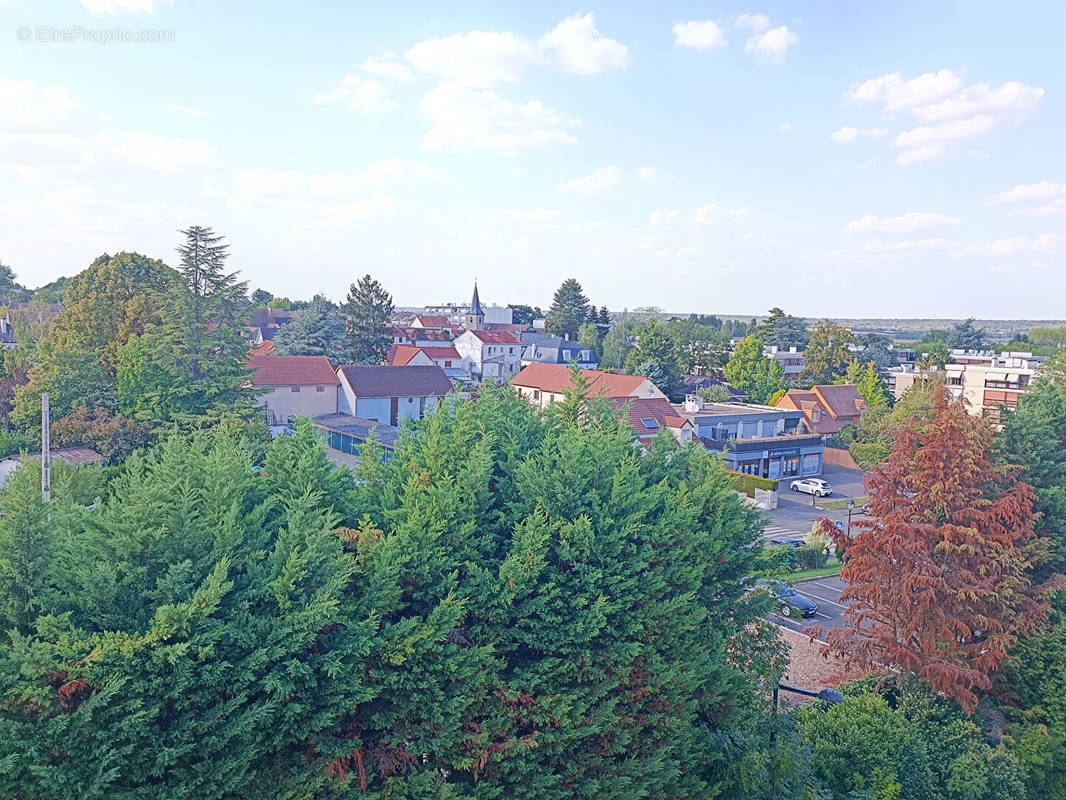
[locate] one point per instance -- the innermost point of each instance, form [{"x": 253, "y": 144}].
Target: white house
[
  {"x": 294, "y": 386},
  {"x": 490, "y": 355},
  {"x": 391, "y": 394}
]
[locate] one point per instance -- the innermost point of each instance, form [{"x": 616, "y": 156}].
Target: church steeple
[{"x": 475, "y": 317}]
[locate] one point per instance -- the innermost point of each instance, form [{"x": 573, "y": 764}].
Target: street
[
  {"x": 826, "y": 593},
  {"x": 796, "y": 512}
]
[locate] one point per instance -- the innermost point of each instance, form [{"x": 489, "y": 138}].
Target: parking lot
[
  {"x": 796, "y": 512},
  {"x": 826, "y": 593}
]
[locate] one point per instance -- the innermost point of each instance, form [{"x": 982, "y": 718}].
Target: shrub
[
  {"x": 869, "y": 454},
  {"x": 775, "y": 559},
  {"x": 808, "y": 557},
  {"x": 742, "y": 482},
  {"x": 12, "y": 442}
]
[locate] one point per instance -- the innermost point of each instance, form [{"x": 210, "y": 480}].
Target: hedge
[
  {"x": 869, "y": 454},
  {"x": 742, "y": 482}
]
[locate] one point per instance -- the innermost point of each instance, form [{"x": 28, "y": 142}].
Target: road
[
  {"x": 796, "y": 512},
  {"x": 826, "y": 593}
]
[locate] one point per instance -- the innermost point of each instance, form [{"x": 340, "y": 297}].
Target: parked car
[
  {"x": 791, "y": 541},
  {"x": 815, "y": 486},
  {"x": 791, "y": 601}
]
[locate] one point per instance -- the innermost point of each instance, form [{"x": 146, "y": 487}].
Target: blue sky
[{"x": 864, "y": 159}]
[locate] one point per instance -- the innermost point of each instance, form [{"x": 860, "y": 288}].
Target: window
[
  {"x": 447, "y": 364},
  {"x": 791, "y": 465},
  {"x": 296, "y": 388},
  {"x": 510, "y": 351},
  {"x": 536, "y": 394},
  {"x": 320, "y": 388},
  {"x": 649, "y": 422}
]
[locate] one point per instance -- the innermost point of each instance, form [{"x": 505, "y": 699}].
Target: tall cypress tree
[{"x": 368, "y": 310}]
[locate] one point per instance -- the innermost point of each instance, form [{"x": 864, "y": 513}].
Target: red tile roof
[
  {"x": 408, "y": 381},
  {"x": 291, "y": 371},
  {"x": 840, "y": 400},
  {"x": 401, "y": 354},
  {"x": 433, "y": 321},
  {"x": 639, "y": 409},
  {"x": 497, "y": 337},
  {"x": 267, "y": 348},
  {"x": 555, "y": 378}
]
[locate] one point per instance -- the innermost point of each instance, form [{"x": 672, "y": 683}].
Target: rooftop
[
  {"x": 291, "y": 370},
  {"x": 406, "y": 381},
  {"x": 362, "y": 429},
  {"x": 556, "y": 378}
]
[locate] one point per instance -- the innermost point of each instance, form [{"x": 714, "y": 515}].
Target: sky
[{"x": 862, "y": 159}]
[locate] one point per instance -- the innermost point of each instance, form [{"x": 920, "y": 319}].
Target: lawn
[
  {"x": 821, "y": 572},
  {"x": 842, "y": 505}
]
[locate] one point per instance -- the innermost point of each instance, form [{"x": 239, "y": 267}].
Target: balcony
[{"x": 754, "y": 443}]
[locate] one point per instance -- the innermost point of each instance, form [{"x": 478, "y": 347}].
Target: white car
[{"x": 815, "y": 486}]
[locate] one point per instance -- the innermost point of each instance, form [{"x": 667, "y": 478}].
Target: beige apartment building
[{"x": 985, "y": 381}]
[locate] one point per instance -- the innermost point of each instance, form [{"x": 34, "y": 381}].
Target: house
[
  {"x": 294, "y": 386},
  {"x": 792, "y": 360},
  {"x": 544, "y": 384},
  {"x": 437, "y": 322},
  {"x": 490, "y": 355},
  {"x": 391, "y": 394},
  {"x": 447, "y": 358},
  {"x": 758, "y": 440},
  {"x": 75, "y": 456},
  {"x": 267, "y": 348},
  {"x": 826, "y": 408},
  {"x": 556, "y": 350},
  {"x": 264, "y": 323},
  {"x": 650, "y": 415}
]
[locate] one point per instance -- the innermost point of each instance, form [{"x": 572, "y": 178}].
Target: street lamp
[
  {"x": 851, "y": 507},
  {"x": 829, "y": 695}
]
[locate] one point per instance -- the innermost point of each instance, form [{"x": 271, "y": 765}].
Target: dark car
[
  {"x": 791, "y": 601},
  {"x": 791, "y": 541}
]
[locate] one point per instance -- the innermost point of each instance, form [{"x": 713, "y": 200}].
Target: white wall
[
  {"x": 282, "y": 402},
  {"x": 378, "y": 408}
]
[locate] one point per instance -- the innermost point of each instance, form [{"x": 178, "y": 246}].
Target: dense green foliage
[
  {"x": 570, "y": 309},
  {"x": 749, "y": 371},
  {"x": 367, "y": 311},
  {"x": 655, "y": 356},
  {"x": 828, "y": 354},
  {"x": 528, "y": 608},
  {"x": 784, "y": 330},
  {"x": 318, "y": 330},
  {"x": 742, "y": 482}
]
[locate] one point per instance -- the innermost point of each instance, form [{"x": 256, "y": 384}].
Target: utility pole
[{"x": 46, "y": 451}]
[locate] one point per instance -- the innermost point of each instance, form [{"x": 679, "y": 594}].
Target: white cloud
[
  {"x": 1042, "y": 190},
  {"x": 477, "y": 58},
  {"x": 661, "y": 217},
  {"x": 341, "y": 215},
  {"x": 850, "y": 134},
  {"x": 116, "y": 6},
  {"x": 579, "y": 47},
  {"x": 755, "y": 22},
  {"x": 259, "y": 184},
  {"x": 785, "y": 127},
  {"x": 701, "y": 34},
  {"x": 464, "y": 117},
  {"x": 950, "y": 115},
  {"x": 771, "y": 45},
  {"x": 599, "y": 182},
  {"x": 896, "y": 95},
  {"x": 386, "y": 68},
  {"x": 363, "y": 95},
  {"x": 28, "y": 104},
  {"x": 530, "y": 216},
  {"x": 709, "y": 212},
  {"x": 905, "y": 223},
  {"x": 647, "y": 173},
  {"x": 188, "y": 111},
  {"x": 155, "y": 152}
]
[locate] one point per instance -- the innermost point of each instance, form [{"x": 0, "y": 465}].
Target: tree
[
  {"x": 27, "y": 550},
  {"x": 317, "y": 330},
  {"x": 655, "y": 356},
  {"x": 1047, "y": 336},
  {"x": 261, "y": 297},
  {"x": 827, "y": 354},
  {"x": 867, "y": 381},
  {"x": 569, "y": 310},
  {"x": 716, "y": 393},
  {"x": 368, "y": 310},
  {"x": 939, "y": 581},
  {"x": 877, "y": 348},
  {"x": 589, "y": 336},
  {"x": 749, "y": 371},
  {"x": 619, "y": 341},
  {"x": 701, "y": 349},
  {"x": 114, "y": 298},
  {"x": 1034, "y": 439},
  {"x": 964, "y": 336},
  {"x": 783, "y": 330},
  {"x": 71, "y": 378},
  {"x": 524, "y": 315},
  {"x": 193, "y": 361},
  {"x": 10, "y": 289},
  {"x": 603, "y": 321}
]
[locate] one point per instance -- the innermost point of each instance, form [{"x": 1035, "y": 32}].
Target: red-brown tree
[{"x": 939, "y": 579}]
